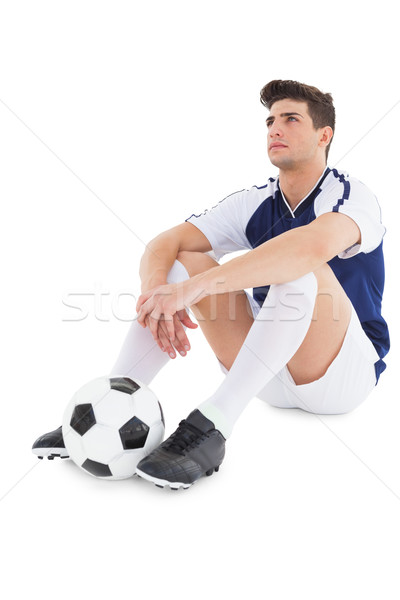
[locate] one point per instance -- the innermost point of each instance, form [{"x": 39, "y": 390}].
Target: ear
[{"x": 326, "y": 134}]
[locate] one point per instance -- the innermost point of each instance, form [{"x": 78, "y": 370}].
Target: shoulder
[
  {"x": 350, "y": 196},
  {"x": 248, "y": 199},
  {"x": 340, "y": 188},
  {"x": 258, "y": 194},
  {"x": 257, "y": 191},
  {"x": 341, "y": 180},
  {"x": 345, "y": 194},
  {"x": 237, "y": 206}
]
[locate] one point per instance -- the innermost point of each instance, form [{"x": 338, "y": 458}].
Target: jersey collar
[{"x": 306, "y": 202}]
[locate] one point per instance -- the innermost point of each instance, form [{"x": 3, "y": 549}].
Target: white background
[{"x": 117, "y": 121}]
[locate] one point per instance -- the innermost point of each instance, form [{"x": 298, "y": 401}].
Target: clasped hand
[{"x": 163, "y": 310}]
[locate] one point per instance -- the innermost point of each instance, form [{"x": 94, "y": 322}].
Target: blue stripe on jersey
[{"x": 346, "y": 191}]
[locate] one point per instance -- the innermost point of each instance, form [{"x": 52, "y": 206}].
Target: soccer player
[{"x": 311, "y": 336}]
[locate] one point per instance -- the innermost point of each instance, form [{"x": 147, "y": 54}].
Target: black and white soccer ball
[{"x": 110, "y": 424}]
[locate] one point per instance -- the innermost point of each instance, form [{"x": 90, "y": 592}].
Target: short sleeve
[
  {"x": 224, "y": 225},
  {"x": 356, "y": 201}
]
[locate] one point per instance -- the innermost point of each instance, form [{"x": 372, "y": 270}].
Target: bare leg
[
  {"x": 328, "y": 328},
  {"x": 226, "y": 320}
]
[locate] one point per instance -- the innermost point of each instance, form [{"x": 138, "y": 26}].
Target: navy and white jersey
[{"x": 248, "y": 218}]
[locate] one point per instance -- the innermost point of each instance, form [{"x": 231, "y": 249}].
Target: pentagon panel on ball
[{"x": 110, "y": 424}]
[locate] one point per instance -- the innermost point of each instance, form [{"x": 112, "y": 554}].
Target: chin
[{"x": 282, "y": 163}]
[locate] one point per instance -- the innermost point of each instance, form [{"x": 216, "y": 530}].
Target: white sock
[
  {"x": 140, "y": 357},
  {"x": 274, "y": 337}
]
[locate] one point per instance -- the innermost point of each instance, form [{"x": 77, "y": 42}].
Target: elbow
[
  {"x": 154, "y": 243},
  {"x": 164, "y": 242}
]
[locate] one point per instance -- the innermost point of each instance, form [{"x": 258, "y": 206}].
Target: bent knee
[
  {"x": 326, "y": 276},
  {"x": 196, "y": 262}
]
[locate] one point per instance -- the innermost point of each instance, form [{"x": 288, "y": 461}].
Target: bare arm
[
  {"x": 284, "y": 258},
  {"x": 155, "y": 265},
  {"x": 162, "y": 251}
]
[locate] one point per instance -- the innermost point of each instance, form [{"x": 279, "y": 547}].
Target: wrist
[
  {"x": 210, "y": 282},
  {"x": 149, "y": 284}
]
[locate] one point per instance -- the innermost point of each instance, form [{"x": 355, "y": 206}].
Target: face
[{"x": 292, "y": 139}]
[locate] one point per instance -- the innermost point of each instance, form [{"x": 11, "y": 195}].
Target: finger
[
  {"x": 186, "y": 320},
  {"x": 157, "y": 340},
  {"x": 182, "y": 342},
  {"x": 153, "y": 324},
  {"x": 141, "y": 318},
  {"x": 142, "y": 299},
  {"x": 143, "y": 312},
  {"x": 166, "y": 343},
  {"x": 169, "y": 324}
]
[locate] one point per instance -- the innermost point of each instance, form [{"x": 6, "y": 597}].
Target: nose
[{"x": 274, "y": 130}]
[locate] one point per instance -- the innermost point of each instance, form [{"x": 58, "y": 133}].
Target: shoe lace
[{"x": 184, "y": 438}]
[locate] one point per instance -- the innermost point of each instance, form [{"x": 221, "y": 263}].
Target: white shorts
[{"x": 344, "y": 386}]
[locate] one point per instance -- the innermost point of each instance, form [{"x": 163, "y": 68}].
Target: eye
[
  {"x": 292, "y": 118},
  {"x": 269, "y": 123}
]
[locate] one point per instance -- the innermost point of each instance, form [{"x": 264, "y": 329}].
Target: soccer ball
[{"x": 110, "y": 424}]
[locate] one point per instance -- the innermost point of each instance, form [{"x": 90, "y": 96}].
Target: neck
[{"x": 295, "y": 184}]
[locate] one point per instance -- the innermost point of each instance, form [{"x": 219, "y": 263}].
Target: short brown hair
[{"x": 320, "y": 105}]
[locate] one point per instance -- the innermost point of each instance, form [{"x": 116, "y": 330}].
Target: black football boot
[
  {"x": 195, "y": 449},
  {"x": 51, "y": 445}
]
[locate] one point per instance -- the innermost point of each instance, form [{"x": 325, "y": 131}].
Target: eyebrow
[{"x": 287, "y": 114}]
